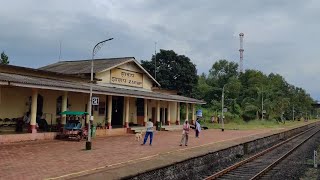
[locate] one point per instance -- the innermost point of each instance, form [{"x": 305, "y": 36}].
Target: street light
[
  {"x": 222, "y": 105},
  {"x": 96, "y": 48}
]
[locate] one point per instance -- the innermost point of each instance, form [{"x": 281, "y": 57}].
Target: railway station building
[{"x": 128, "y": 94}]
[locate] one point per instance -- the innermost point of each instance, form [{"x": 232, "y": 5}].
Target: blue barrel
[{"x": 199, "y": 113}]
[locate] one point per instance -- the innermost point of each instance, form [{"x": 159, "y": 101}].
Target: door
[
  {"x": 154, "y": 115},
  {"x": 117, "y": 111}
]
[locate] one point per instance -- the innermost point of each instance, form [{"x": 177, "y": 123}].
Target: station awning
[{"x": 73, "y": 86}]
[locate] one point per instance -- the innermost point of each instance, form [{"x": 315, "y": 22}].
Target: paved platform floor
[{"x": 62, "y": 159}]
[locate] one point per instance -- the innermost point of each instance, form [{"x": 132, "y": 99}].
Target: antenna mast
[
  {"x": 241, "y": 52},
  {"x": 155, "y": 60},
  {"x": 60, "y": 51}
]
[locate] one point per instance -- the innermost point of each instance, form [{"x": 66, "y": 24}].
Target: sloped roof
[
  {"x": 84, "y": 66},
  {"x": 64, "y": 85}
]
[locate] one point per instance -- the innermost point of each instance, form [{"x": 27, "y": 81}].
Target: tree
[
  {"x": 221, "y": 71},
  {"x": 173, "y": 71},
  {"x": 4, "y": 58}
]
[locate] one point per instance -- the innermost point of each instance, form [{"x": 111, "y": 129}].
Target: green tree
[
  {"x": 4, "y": 58},
  {"x": 221, "y": 71},
  {"x": 173, "y": 71}
]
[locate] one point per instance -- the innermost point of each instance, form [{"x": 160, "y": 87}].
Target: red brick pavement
[{"x": 47, "y": 159}]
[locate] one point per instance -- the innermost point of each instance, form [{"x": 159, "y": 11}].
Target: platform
[{"x": 111, "y": 157}]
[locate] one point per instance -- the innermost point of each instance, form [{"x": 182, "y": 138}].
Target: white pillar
[
  {"x": 145, "y": 112},
  {"x": 178, "y": 114},
  {"x": 169, "y": 113},
  {"x": 126, "y": 125},
  {"x": 109, "y": 111},
  {"x": 33, "y": 119},
  {"x": 187, "y": 111},
  {"x": 64, "y": 106},
  {"x": 88, "y": 111},
  {"x": 193, "y": 114},
  {"x": 158, "y": 111}
]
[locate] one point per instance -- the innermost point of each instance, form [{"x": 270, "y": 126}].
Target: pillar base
[
  {"x": 144, "y": 123},
  {"x": 109, "y": 126},
  {"x": 33, "y": 129},
  {"x": 177, "y": 122},
  {"x": 168, "y": 123},
  {"x": 126, "y": 125},
  {"x": 88, "y": 145}
]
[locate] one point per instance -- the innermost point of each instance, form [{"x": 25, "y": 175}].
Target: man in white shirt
[
  {"x": 198, "y": 128},
  {"x": 148, "y": 133}
]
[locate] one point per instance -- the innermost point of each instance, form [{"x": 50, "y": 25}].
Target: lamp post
[
  {"x": 222, "y": 105},
  {"x": 94, "y": 51}
]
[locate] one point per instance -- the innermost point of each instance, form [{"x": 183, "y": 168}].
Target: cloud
[{"x": 280, "y": 36}]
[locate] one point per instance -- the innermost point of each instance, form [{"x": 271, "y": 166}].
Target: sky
[{"x": 280, "y": 36}]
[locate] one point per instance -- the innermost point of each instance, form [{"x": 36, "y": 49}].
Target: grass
[{"x": 254, "y": 124}]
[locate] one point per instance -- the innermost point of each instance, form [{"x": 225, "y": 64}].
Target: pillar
[
  {"x": 145, "y": 120},
  {"x": 158, "y": 111},
  {"x": 88, "y": 111},
  {"x": 187, "y": 111},
  {"x": 163, "y": 120},
  {"x": 33, "y": 119},
  {"x": 169, "y": 114},
  {"x": 64, "y": 106},
  {"x": 178, "y": 114},
  {"x": 193, "y": 114},
  {"x": 127, "y": 101},
  {"x": 109, "y": 112}
]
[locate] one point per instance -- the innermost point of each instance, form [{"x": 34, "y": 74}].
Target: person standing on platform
[
  {"x": 198, "y": 128},
  {"x": 148, "y": 133},
  {"x": 185, "y": 133},
  {"x": 212, "y": 119}
]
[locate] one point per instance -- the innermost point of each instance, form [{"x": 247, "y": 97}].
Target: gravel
[{"x": 298, "y": 165}]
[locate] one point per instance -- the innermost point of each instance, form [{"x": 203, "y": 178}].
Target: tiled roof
[
  {"x": 73, "y": 86},
  {"x": 84, "y": 66}
]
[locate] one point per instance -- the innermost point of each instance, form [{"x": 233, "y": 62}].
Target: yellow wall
[
  {"x": 132, "y": 110},
  {"x": 147, "y": 82},
  {"x": 14, "y": 101},
  {"x": 50, "y": 104},
  {"x": 104, "y": 76},
  {"x": 163, "y": 104},
  {"x": 100, "y": 118},
  {"x": 131, "y": 66}
]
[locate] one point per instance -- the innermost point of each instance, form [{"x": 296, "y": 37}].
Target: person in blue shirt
[
  {"x": 148, "y": 133},
  {"x": 198, "y": 128}
]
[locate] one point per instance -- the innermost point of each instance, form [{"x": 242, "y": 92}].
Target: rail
[{"x": 256, "y": 156}]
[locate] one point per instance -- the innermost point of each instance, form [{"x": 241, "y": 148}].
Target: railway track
[{"x": 256, "y": 166}]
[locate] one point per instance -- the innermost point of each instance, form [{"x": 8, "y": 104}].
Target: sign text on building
[{"x": 125, "y": 77}]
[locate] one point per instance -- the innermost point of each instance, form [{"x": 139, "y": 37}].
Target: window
[{"x": 102, "y": 108}]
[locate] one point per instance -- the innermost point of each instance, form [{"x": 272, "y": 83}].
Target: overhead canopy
[
  {"x": 74, "y": 113},
  {"x": 72, "y": 86}
]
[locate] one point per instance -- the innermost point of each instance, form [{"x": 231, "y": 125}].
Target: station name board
[{"x": 127, "y": 78}]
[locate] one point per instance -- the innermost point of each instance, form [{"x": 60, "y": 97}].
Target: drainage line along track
[{"x": 256, "y": 166}]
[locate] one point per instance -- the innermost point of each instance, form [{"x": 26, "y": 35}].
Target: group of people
[
  {"x": 218, "y": 119},
  {"x": 41, "y": 123},
  {"x": 185, "y": 132}
]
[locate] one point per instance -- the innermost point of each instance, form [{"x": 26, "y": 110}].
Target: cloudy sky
[{"x": 281, "y": 36}]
